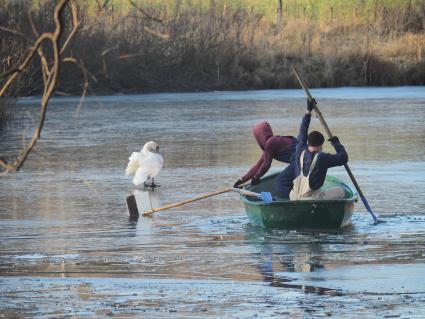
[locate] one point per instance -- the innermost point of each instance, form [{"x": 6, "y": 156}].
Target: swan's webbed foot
[{"x": 152, "y": 184}]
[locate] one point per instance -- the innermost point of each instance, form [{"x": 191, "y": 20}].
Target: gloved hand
[
  {"x": 255, "y": 180},
  {"x": 310, "y": 104},
  {"x": 238, "y": 184},
  {"x": 334, "y": 140}
]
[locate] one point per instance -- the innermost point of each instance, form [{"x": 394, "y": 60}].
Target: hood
[{"x": 262, "y": 132}]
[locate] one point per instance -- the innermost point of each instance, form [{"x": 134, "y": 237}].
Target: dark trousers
[{"x": 284, "y": 181}]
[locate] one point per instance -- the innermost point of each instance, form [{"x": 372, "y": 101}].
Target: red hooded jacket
[{"x": 281, "y": 148}]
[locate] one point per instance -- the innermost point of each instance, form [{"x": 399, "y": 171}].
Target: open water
[{"x": 68, "y": 248}]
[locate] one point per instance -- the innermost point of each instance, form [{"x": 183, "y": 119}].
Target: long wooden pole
[
  {"x": 194, "y": 199},
  {"x": 190, "y": 200},
  {"x": 329, "y": 133}
]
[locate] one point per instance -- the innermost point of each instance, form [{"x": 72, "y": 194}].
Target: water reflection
[
  {"x": 287, "y": 258},
  {"x": 142, "y": 201}
]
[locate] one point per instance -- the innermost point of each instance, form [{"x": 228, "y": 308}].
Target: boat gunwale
[
  {"x": 292, "y": 202},
  {"x": 352, "y": 198}
]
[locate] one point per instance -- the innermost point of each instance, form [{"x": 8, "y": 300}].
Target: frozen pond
[{"x": 68, "y": 248}]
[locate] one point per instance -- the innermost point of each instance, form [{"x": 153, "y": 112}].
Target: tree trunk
[{"x": 279, "y": 13}]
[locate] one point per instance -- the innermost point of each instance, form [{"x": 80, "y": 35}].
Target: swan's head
[{"x": 151, "y": 147}]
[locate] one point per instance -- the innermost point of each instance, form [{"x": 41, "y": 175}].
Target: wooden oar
[
  {"x": 329, "y": 133},
  {"x": 134, "y": 213}
]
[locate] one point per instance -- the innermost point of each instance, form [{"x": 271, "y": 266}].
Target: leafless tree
[{"x": 50, "y": 67}]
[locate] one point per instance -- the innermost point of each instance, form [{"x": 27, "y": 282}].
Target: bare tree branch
[
  {"x": 50, "y": 82},
  {"x": 4, "y": 164},
  {"x": 14, "y": 72},
  {"x": 75, "y": 25},
  {"x": 15, "y": 32},
  {"x": 147, "y": 15},
  {"x": 44, "y": 66},
  {"x": 163, "y": 36},
  {"x": 80, "y": 65},
  {"x": 85, "y": 87},
  {"x": 33, "y": 27}
]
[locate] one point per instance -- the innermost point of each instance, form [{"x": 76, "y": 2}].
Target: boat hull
[{"x": 285, "y": 214}]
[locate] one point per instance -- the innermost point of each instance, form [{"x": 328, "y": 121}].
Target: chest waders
[{"x": 301, "y": 189}]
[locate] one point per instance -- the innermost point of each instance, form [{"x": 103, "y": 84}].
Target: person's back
[
  {"x": 281, "y": 148},
  {"x": 311, "y": 164}
]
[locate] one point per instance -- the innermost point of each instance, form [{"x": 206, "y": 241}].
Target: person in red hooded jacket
[{"x": 281, "y": 148}]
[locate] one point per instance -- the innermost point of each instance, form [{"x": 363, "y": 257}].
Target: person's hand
[
  {"x": 310, "y": 104},
  {"x": 255, "y": 180},
  {"x": 334, "y": 140},
  {"x": 238, "y": 184}
]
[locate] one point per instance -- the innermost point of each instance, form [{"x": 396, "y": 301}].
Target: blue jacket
[{"x": 324, "y": 160}]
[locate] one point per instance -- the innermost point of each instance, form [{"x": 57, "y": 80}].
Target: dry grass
[{"x": 161, "y": 46}]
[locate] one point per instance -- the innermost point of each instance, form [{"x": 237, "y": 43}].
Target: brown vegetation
[{"x": 148, "y": 46}]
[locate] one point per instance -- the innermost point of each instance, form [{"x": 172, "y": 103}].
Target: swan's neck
[{"x": 145, "y": 150}]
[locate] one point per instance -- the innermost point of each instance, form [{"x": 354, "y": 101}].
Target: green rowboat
[{"x": 286, "y": 214}]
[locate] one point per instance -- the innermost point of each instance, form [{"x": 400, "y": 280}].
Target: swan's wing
[
  {"x": 153, "y": 163},
  {"x": 133, "y": 163},
  {"x": 140, "y": 176},
  {"x": 160, "y": 159}
]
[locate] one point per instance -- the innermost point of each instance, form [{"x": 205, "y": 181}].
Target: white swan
[{"x": 145, "y": 164}]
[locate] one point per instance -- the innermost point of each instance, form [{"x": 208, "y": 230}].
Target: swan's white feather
[
  {"x": 144, "y": 165},
  {"x": 133, "y": 164},
  {"x": 140, "y": 176}
]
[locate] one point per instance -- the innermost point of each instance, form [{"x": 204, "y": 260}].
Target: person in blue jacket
[{"x": 311, "y": 164}]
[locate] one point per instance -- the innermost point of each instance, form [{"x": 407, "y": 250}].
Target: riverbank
[{"x": 176, "y": 47}]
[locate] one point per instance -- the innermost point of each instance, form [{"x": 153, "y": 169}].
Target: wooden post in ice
[
  {"x": 141, "y": 201},
  {"x": 132, "y": 207}
]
